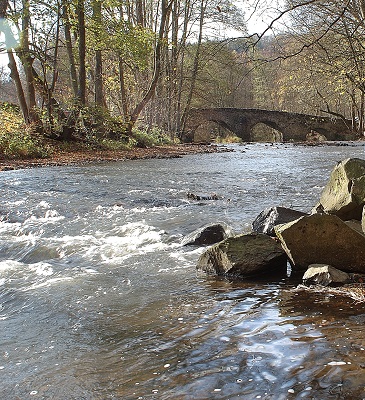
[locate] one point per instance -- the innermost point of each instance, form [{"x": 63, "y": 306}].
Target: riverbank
[{"x": 84, "y": 156}]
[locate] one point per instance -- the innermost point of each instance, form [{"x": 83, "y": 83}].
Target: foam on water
[
  {"x": 47, "y": 283},
  {"x": 6, "y": 265},
  {"x": 39, "y": 247},
  {"x": 119, "y": 243},
  {"x": 184, "y": 257},
  {"x": 16, "y": 269},
  {"x": 47, "y": 217},
  {"x": 42, "y": 269}
]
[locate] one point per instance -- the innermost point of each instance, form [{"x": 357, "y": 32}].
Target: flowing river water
[{"x": 99, "y": 300}]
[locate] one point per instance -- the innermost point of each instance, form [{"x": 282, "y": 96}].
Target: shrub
[
  {"x": 98, "y": 123},
  {"x": 17, "y": 140},
  {"x": 228, "y": 139},
  {"x": 124, "y": 143},
  {"x": 151, "y": 138}
]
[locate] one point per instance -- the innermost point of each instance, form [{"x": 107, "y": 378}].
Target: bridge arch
[
  {"x": 266, "y": 132},
  {"x": 210, "y": 125}
]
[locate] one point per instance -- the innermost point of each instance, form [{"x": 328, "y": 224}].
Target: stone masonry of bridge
[{"x": 293, "y": 126}]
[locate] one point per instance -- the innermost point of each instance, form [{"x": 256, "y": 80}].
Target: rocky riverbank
[
  {"x": 83, "y": 156},
  {"x": 327, "y": 246}
]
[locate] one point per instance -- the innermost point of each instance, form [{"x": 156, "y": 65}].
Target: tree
[
  {"x": 143, "y": 59},
  {"x": 336, "y": 33},
  {"x": 14, "y": 73}
]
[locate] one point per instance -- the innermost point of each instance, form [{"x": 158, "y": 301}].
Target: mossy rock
[{"x": 344, "y": 194}]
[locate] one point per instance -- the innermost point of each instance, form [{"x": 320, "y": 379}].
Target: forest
[{"x": 130, "y": 70}]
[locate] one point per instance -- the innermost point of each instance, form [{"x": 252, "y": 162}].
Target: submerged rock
[
  {"x": 323, "y": 239},
  {"x": 322, "y": 274},
  {"x": 244, "y": 256},
  {"x": 207, "y": 235},
  {"x": 194, "y": 196},
  {"x": 344, "y": 194},
  {"x": 268, "y": 218}
]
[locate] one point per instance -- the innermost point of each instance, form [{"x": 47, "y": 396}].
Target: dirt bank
[{"x": 92, "y": 156}]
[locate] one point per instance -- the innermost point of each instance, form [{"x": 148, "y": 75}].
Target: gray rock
[
  {"x": 244, "y": 256},
  {"x": 323, "y": 239},
  {"x": 363, "y": 220},
  {"x": 344, "y": 194},
  {"x": 268, "y": 218},
  {"x": 322, "y": 274},
  {"x": 207, "y": 235}
]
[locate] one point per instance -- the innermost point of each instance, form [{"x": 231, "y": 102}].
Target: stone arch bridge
[{"x": 293, "y": 126}]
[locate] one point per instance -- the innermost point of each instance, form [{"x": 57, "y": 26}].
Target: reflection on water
[
  {"x": 255, "y": 341},
  {"x": 99, "y": 300}
]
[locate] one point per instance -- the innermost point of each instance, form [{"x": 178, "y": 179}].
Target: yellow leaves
[
  {"x": 16, "y": 138},
  {"x": 10, "y": 122}
]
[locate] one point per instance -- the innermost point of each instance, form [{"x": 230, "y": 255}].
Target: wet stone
[
  {"x": 322, "y": 274},
  {"x": 268, "y": 218},
  {"x": 207, "y": 235},
  {"x": 244, "y": 256}
]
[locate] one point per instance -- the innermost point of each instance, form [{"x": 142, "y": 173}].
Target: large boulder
[
  {"x": 344, "y": 194},
  {"x": 244, "y": 256},
  {"x": 207, "y": 235},
  {"x": 323, "y": 239},
  {"x": 268, "y": 218},
  {"x": 322, "y": 274}
]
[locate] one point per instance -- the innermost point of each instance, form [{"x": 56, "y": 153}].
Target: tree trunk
[
  {"x": 174, "y": 66},
  {"x": 123, "y": 91},
  {"x": 14, "y": 74},
  {"x": 196, "y": 62},
  {"x": 165, "y": 9},
  {"x": 187, "y": 14},
  {"x": 361, "y": 116},
  {"x": 80, "y": 11},
  {"x": 69, "y": 48},
  {"x": 140, "y": 17},
  {"x": 99, "y": 91},
  {"x": 27, "y": 62}
]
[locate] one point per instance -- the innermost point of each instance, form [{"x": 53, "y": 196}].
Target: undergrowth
[
  {"x": 18, "y": 140},
  {"x": 150, "y": 138}
]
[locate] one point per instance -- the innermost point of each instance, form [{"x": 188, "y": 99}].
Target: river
[{"x": 99, "y": 300}]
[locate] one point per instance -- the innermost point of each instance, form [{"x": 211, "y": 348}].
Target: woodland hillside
[{"x": 102, "y": 68}]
